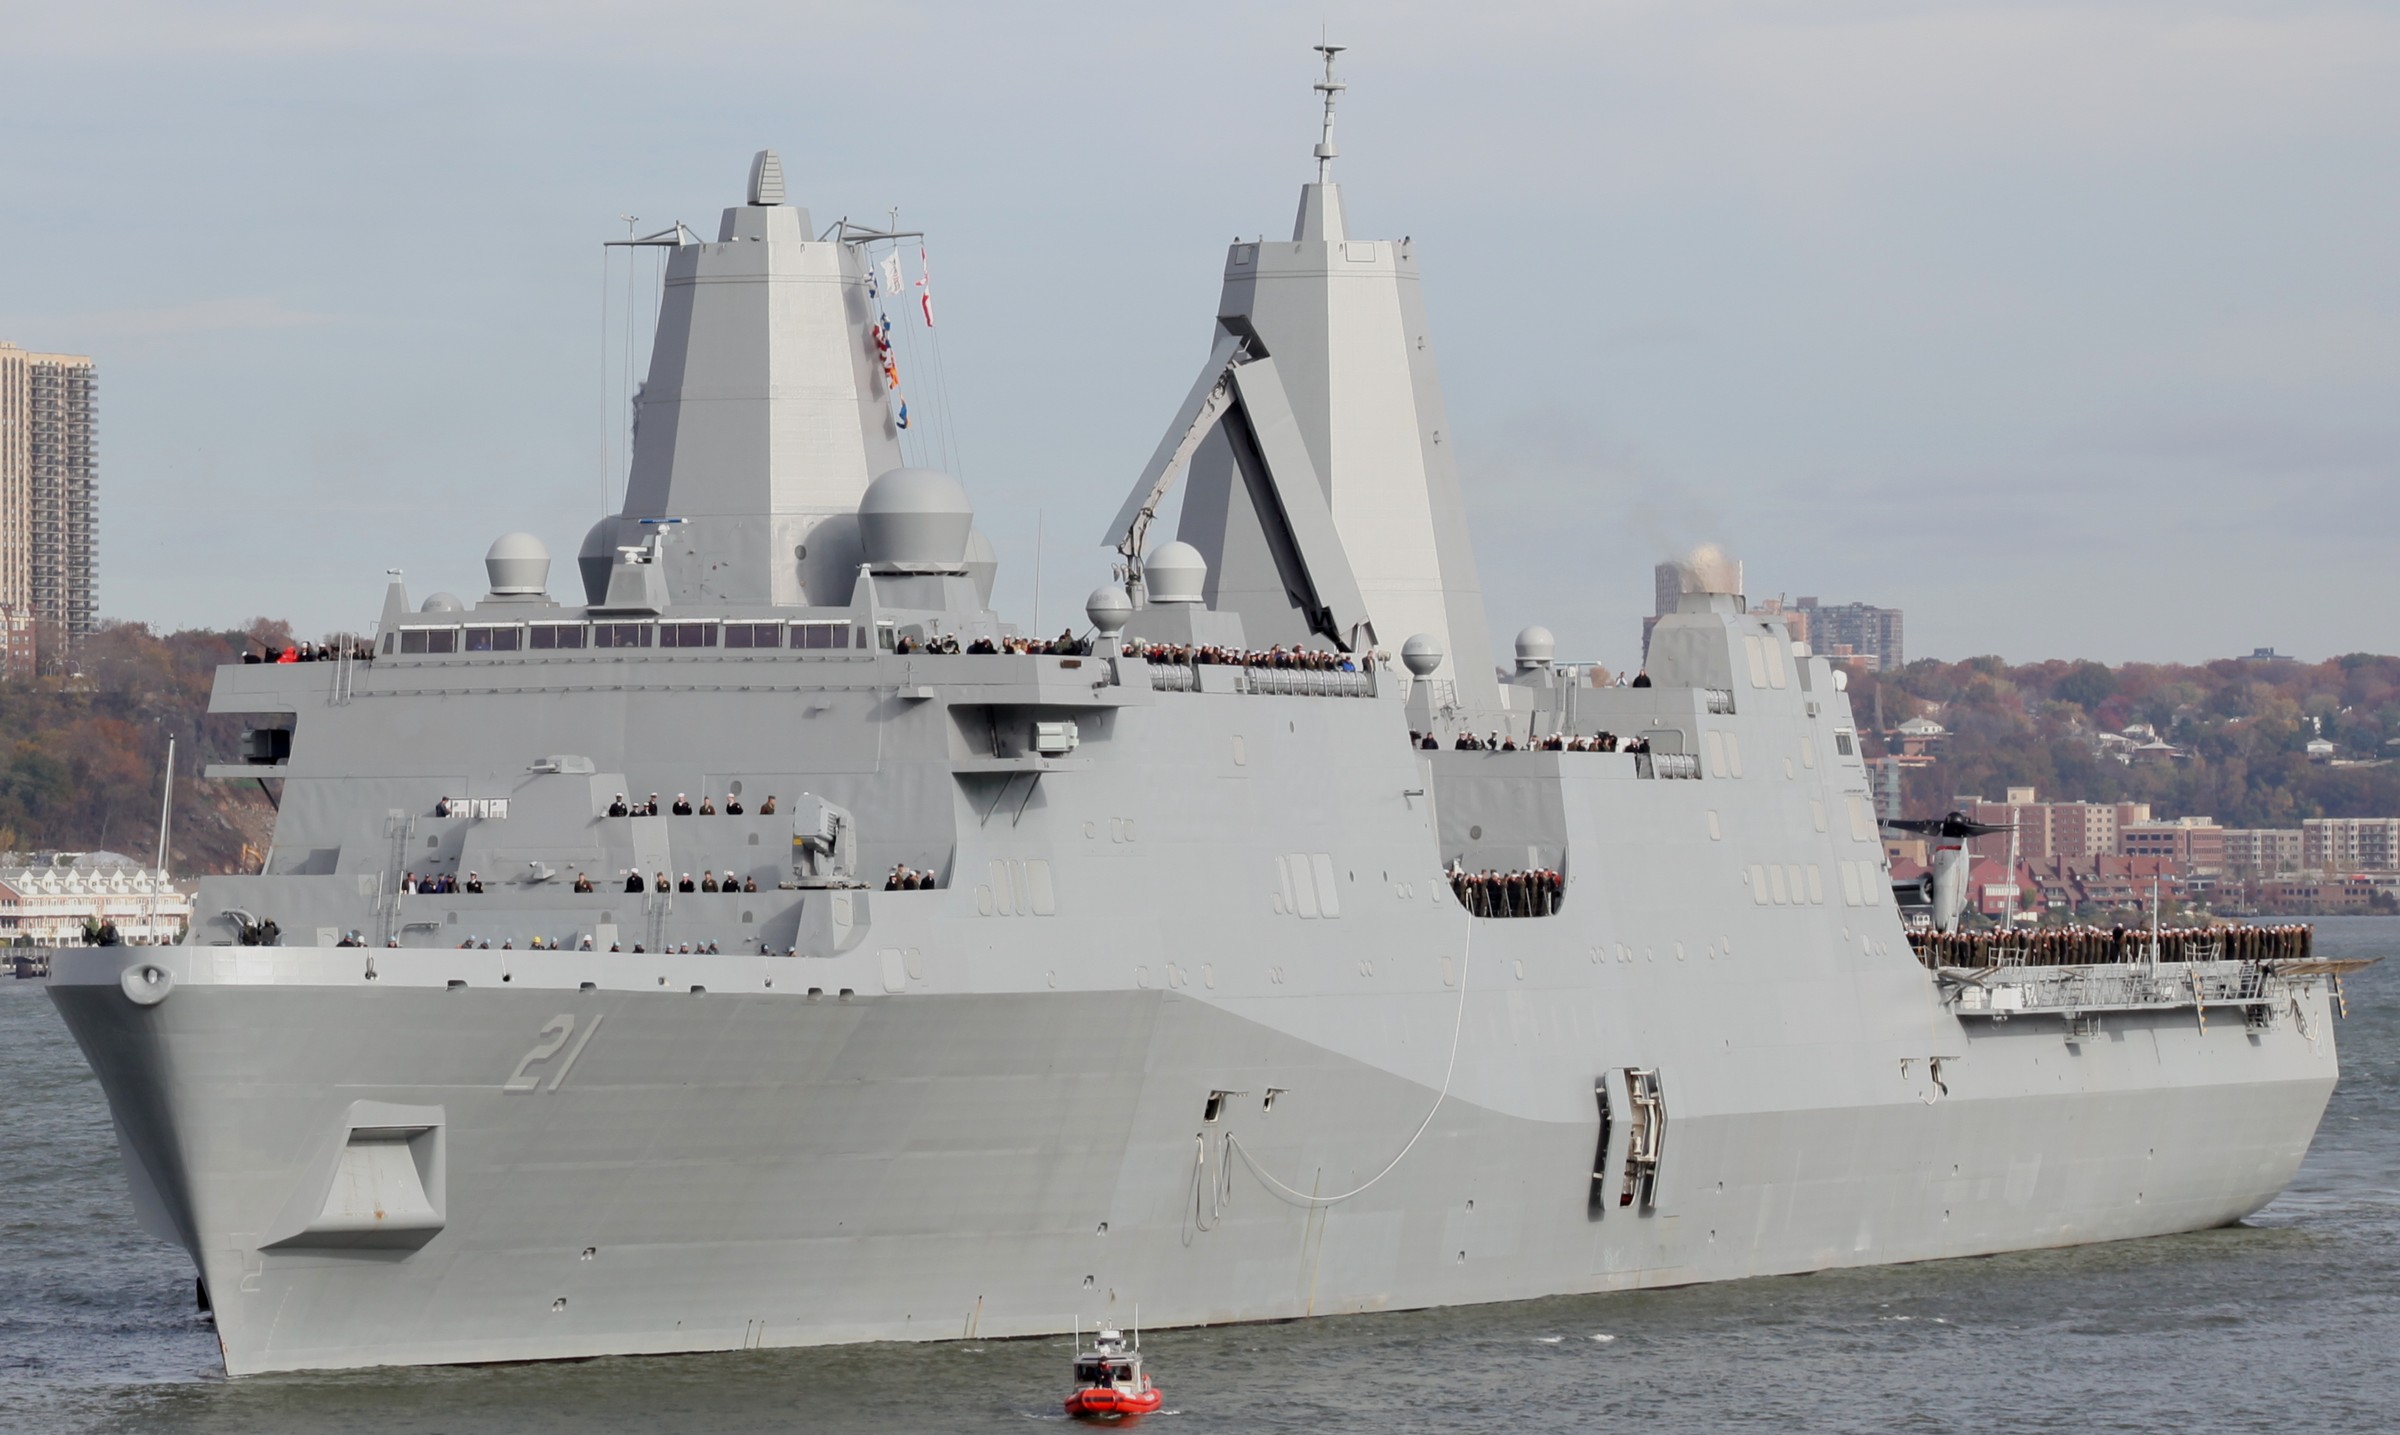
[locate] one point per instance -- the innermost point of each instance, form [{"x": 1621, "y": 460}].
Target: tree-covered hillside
[
  {"x": 80, "y": 754},
  {"x": 2242, "y": 729}
]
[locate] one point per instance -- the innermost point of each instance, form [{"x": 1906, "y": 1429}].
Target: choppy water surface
[{"x": 2288, "y": 1323}]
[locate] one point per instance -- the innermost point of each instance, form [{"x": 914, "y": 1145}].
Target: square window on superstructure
[
  {"x": 753, "y": 635},
  {"x": 687, "y": 635},
  {"x": 620, "y": 635},
  {"x": 548, "y": 636},
  {"x": 493, "y": 640},
  {"x": 820, "y": 635}
]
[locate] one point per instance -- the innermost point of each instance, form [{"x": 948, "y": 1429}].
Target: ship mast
[
  {"x": 166, "y": 808},
  {"x": 1331, "y": 89}
]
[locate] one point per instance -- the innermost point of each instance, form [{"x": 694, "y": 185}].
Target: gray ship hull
[{"x": 750, "y": 1165}]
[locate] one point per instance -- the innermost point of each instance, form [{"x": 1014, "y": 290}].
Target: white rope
[{"x": 1458, "y": 1026}]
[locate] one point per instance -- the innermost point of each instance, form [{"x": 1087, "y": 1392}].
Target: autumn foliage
[
  {"x": 2241, "y": 730},
  {"x": 81, "y": 753}
]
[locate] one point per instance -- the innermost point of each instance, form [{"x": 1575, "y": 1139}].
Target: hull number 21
[{"x": 555, "y": 1035}]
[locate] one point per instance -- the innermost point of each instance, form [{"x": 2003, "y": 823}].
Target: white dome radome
[
  {"x": 1109, "y": 609},
  {"x": 441, "y": 603},
  {"x": 915, "y": 520},
  {"x": 519, "y": 566},
  {"x": 1175, "y": 573},
  {"x": 1422, "y": 654},
  {"x": 1536, "y": 647}
]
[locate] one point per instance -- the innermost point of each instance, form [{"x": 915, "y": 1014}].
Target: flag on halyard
[
  {"x": 925, "y": 286},
  {"x": 891, "y": 273}
]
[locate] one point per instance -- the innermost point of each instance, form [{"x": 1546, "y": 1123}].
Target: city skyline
[{"x": 2081, "y": 326}]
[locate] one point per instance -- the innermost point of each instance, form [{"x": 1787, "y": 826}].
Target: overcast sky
[{"x": 2073, "y": 330}]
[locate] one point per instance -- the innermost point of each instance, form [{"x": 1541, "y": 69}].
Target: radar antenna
[{"x": 1331, "y": 89}]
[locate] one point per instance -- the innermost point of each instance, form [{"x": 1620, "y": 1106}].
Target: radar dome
[
  {"x": 1709, "y": 569},
  {"x": 915, "y": 520},
  {"x": 442, "y": 603},
  {"x": 1175, "y": 573},
  {"x": 1535, "y": 647},
  {"x": 597, "y": 555},
  {"x": 1109, "y": 609},
  {"x": 519, "y": 566},
  {"x": 1421, "y": 654}
]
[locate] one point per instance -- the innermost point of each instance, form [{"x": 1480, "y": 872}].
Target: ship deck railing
[{"x": 2263, "y": 991}]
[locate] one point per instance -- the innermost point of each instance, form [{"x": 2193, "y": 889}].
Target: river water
[{"x": 2289, "y": 1322}]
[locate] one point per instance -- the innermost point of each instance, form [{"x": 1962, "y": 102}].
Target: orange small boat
[{"x": 1110, "y": 1383}]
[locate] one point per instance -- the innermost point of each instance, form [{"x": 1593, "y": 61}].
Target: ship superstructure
[{"x": 583, "y": 1006}]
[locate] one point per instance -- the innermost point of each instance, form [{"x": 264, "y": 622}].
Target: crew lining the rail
[
  {"x": 1525, "y": 892},
  {"x": 2084, "y": 945}
]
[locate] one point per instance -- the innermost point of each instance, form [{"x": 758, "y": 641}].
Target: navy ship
[{"x": 1021, "y": 980}]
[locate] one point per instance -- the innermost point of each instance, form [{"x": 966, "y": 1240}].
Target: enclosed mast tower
[{"x": 1333, "y": 378}]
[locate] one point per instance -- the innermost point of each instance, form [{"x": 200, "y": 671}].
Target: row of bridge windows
[{"x": 553, "y": 637}]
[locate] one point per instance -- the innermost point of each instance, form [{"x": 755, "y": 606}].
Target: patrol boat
[
  {"x": 1110, "y": 1383},
  {"x": 1186, "y": 1004}
]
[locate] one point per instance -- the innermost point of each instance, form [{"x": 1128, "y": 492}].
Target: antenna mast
[
  {"x": 166, "y": 808},
  {"x": 1330, "y": 88}
]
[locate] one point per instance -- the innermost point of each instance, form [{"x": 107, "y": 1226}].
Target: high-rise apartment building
[
  {"x": 2195, "y": 844},
  {"x": 1859, "y": 630},
  {"x": 2262, "y": 851},
  {"x": 2073, "y": 830},
  {"x": 49, "y": 501},
  {"x": 1666, "y": 585},
  {"x": 2350, "y": 844}
]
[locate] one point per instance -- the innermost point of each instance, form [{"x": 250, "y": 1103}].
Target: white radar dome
[
  {"x": 1536, "y": 647},
  {"x": 1421, "y": 655},
  {"x": 441, "y": 603},
  {"x": 1175, "y": 573},
  {"x": 1109, "y": 609},
  {"x": 519, "y": 566},
  {"x": 915, "y": 520}
]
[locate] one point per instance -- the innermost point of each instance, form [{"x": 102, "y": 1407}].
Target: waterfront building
[
  {"x": 2196, "y": 844},
  {"x": 2044, "y": 830},
  {"x": 2262, "y": 851},
  {"x": 2350, "y": 844},
  {"x": 46, "y": 897}
]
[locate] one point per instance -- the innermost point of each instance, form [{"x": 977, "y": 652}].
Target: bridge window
[
  {"x": 620, "y": 635},
  {"x": 754, "y": 635},
  {"x": 687, "y": 635},
  {"x": 557, "y": 635},
  {"x": 494, "y": 640},
  {"x": 821, "y": 635},
  {"x": 429, "y": 640}
]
